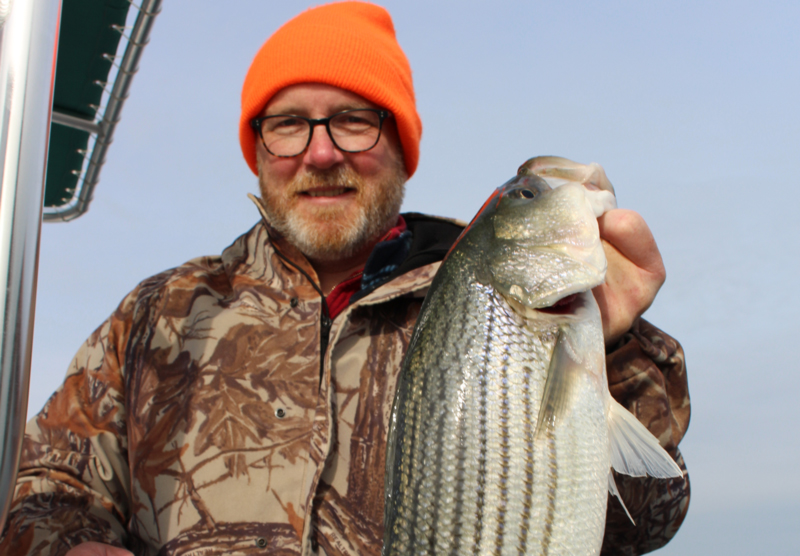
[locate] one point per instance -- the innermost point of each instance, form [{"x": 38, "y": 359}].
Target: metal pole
[{"x": 28, "y": 39}]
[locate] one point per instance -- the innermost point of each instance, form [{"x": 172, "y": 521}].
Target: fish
[{"x": 503, "y": 432}]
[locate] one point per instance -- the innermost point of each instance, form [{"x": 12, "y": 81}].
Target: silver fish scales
[{"x": 503, "y": 431}]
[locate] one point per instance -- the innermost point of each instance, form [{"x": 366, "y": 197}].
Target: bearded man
[{"x": 239, "y": 404}]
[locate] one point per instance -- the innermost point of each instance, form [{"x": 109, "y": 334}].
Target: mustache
[{"x": 336, "y": 177}]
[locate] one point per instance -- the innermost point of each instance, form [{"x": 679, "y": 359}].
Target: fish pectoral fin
[
  {"x": 634, "y": 449},
  {"x": 612, "y": 488},
  {"x": 561, "y": 376}
]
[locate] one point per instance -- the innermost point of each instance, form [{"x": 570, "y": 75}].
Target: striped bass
[{"x": 503, "y": 432}]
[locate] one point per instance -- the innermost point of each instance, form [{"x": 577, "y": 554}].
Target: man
[{"x": 239, "y": 404}]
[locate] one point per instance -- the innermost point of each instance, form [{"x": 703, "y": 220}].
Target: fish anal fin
[
  {"x": 561, "y": 376},
  {"x": 634, "y": 450},
  {"x": 612, "y": 488}
]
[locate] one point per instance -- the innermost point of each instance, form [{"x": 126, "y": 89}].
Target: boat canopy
[{"x": 97, "y": 58}]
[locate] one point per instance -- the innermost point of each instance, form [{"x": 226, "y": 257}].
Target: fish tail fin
[
  {"x": 612, "y": 488},
  {"x": 634, "y": 449}
]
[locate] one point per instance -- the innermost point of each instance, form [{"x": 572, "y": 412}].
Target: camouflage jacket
[{"x": 199, "y": 420}]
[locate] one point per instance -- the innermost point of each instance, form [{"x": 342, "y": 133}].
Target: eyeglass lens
[{"x": 351, "y": 131}]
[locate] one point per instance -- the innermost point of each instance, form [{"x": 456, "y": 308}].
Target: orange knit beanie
[{"x": 350, "y": 45}]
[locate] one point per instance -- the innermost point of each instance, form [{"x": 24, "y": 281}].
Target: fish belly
[{"x": 470, "y": 473}]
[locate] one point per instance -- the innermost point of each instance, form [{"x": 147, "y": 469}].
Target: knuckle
[{"x": 629, "y": 222}]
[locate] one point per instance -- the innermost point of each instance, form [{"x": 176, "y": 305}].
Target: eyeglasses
[{"x": 352, "y": 131}]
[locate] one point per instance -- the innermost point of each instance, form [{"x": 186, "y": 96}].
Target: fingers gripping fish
[{"x": 503, "y": 433}]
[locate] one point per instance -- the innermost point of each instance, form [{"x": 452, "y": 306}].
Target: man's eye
[
  {"x": 354, "y": 121},
  {"x": 285, "y": 125}
]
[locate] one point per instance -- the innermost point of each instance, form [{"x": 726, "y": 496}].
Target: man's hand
[
  {"x": 97, "y": 549},
  {"x": 635, "y": 271}
]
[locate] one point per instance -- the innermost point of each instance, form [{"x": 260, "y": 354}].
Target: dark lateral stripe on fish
[
  {"x": 421, "y": 521},
  {"x": 412, "y": 432},
  {"x": 552, "y": 478},
  {"x": 482, "y": 435},
  {"x": 438, "y": 439},
  {"x": 461, "y": 467},
  {"x": 528, "y": 480},
  {"x": 505, "y": 437},
  {"x": 458, "y": 507}
]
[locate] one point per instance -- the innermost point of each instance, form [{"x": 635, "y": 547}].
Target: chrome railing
[
  {"x": 103, "y": 129},
  {"x": 28, "y": 39}
]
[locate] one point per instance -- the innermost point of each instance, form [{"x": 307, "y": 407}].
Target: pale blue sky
[{"x": 692, "y": 108}]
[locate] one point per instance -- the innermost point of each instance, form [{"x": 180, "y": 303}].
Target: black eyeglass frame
[{"x": 255, "y": 123}]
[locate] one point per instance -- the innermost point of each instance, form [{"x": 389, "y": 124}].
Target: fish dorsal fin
[
  {"x": 564, "y": 369},
  {"x": 634, "y": 450},
  {"x": 612, "y": 488}
]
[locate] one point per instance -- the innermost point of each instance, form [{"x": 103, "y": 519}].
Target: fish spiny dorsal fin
[{"x": 634, "y": 450}]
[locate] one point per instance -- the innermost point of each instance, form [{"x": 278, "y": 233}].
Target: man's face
[{"x": 331, "y": 204}]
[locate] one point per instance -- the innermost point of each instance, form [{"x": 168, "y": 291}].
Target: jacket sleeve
[
  {"x": 73, "y": 484},
  {"x": 647, "y": 375}
]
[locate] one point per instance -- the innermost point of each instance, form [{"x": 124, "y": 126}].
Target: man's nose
[{"x": 321, "y": 152}]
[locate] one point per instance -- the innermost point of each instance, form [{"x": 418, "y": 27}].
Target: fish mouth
[
  {"x": 565, "y": 305},
  {"x": 570, "y": 305}
]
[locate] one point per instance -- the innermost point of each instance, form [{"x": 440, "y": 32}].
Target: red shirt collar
[{"x": 340, "y": 295}]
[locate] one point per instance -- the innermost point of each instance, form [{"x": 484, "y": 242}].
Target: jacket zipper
[
  {"x": 325, "y": 320},
  {"x": 325, "y": 323}
]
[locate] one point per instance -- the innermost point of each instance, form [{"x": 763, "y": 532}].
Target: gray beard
[{"x": 348, "y": 237}]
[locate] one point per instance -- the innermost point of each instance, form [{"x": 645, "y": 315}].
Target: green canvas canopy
[{"x": 97, "y": 58}]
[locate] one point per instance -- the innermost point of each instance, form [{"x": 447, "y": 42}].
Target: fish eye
[{"x": 522, "y": 193}]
